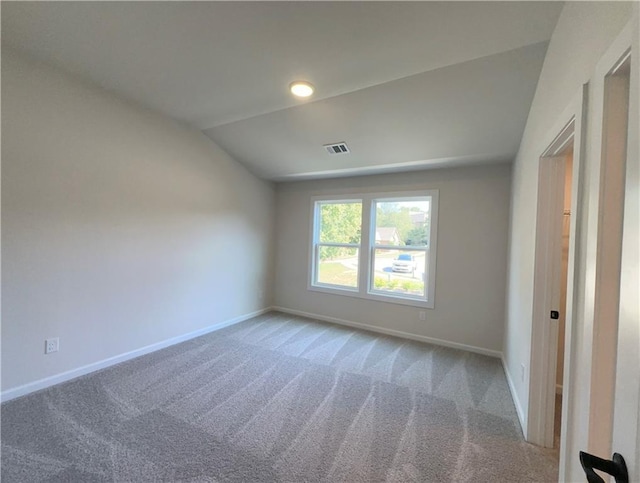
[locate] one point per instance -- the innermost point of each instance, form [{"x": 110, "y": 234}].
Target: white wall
[
  {"x": 470, "y": 266},
  {"x": 583, "y": 32},
  {"x": 120, "y": 228}
]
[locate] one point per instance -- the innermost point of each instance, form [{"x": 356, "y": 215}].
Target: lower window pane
[
  {"x": 337, "y": 266},
  {"x": 399, "y": 272}
]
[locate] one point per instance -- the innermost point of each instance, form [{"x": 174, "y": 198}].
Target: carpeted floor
[{"x": 277, "y": 398}]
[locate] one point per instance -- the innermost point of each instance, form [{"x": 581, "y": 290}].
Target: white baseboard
[
  {"x": 397, "y": 333},
  {"x": 95, "y": 366},
  {"x": 516, "y": 400}
]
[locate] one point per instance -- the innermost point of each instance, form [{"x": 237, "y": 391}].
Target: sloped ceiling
[{"x": 406, "y": 84}]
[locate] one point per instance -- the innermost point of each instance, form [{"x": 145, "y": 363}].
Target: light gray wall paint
[
  {"x": 583, "y": 32},
  {"x": 471, "y": 258},
  {"x": 120, "y": 228}
]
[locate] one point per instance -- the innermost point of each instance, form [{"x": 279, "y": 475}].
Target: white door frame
[
  {"x": 579, "y": 367},
  {"x": 609, "y": 254},
  {"x": 627, "y": 403},
  {"x": 583, "y": 284},
  {"x": 544, "y": 334}
]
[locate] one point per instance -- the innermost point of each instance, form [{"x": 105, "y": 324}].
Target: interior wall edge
[{"x": 514, "y": 396}]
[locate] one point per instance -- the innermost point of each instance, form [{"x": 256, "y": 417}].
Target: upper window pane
[
  {"x": 340, "y": 222},
  {"x": 403, "y": 222}
]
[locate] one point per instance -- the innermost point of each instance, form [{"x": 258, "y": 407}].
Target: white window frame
[
  {"x": 316, "y": 244},
  {"x": 367, "y": 248}
]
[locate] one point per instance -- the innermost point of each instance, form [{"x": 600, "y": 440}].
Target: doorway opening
[
  {"x": 567, "y": 154},
  {"x": 553, "y": 284}
]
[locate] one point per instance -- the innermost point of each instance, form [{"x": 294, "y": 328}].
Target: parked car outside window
[{"x": 404, "y": 263}]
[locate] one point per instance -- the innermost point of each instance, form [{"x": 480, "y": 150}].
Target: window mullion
[{"x": 365, "y": 250}]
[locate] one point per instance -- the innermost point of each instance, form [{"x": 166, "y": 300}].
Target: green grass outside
[
  {"x": 335, "y": 273},
  {"x": 413, "y": 287}
]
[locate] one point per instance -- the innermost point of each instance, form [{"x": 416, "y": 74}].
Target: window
[
  {"x": 337, "y": 235},
  {"x": 401, "y": 229},
  {"x": 392, "y": 236}
]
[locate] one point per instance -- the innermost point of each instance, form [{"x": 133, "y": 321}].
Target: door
[
  {"x": 603, "y": 367},
  {"x": 626, "y": 422},
  {"x": 617, "y": 334},
  {"x": 614, "y": 390}
]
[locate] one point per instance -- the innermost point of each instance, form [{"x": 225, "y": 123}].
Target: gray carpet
[{"x": 277, "y": 398}]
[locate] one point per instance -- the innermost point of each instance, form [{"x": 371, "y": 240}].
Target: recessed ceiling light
[{"x": 301, "y": 88}]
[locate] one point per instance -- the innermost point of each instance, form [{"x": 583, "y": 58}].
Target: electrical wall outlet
[
  {"x": 51, "y": 345},
  {"x": 522, "y": 372},
  {"x": 422, "y": 315}
]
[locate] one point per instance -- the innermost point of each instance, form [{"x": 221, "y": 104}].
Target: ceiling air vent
[{"x": 338, "y": 148}]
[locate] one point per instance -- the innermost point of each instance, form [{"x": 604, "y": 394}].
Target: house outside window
[{"x": 387, "y": 235}]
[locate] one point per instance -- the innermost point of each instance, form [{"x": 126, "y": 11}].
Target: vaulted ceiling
[{"x": 406, "y": 85}]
